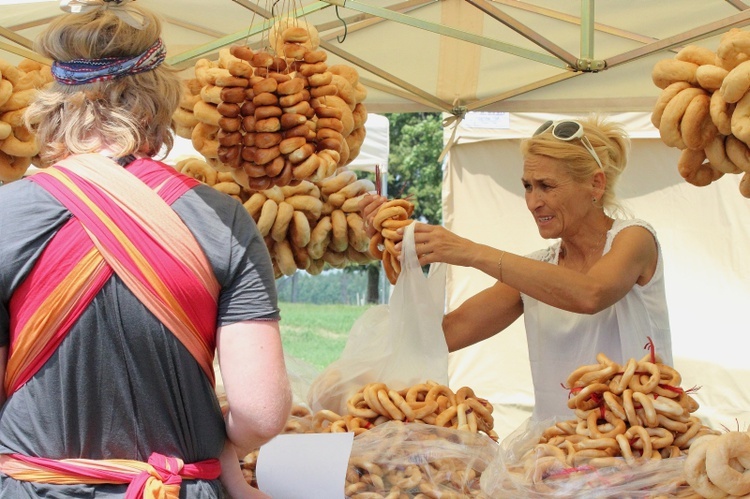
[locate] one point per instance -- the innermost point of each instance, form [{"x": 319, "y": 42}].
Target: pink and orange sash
[
  {"x": 160, "y": 478},
  {"x": 119, "y": 225},
  {"x": 122, "y": 224}
]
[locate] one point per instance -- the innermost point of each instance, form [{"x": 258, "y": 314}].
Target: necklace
[{"x": 595, "y": 251}]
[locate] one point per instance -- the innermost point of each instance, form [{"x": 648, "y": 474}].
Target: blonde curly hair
[{"x": 125, "y": 115}]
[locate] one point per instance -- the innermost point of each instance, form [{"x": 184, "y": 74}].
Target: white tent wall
[{"x": 704, "y": 235}]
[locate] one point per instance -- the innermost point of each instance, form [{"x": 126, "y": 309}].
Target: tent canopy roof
[{"x": 449, "y": 55}]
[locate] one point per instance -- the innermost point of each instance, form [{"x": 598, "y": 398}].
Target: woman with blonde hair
[
  {"x": 120, "y": 279},
  {"x": 599, "y": 288}
]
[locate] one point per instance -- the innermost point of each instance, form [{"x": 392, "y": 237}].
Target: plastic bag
[
  {"x": 398, "y": 459},
  {"x": 511, "y": 475},
  {"x": 399, "y": 344}
]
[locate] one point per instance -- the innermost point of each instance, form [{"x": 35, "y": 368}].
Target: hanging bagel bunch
[
  {"x": 285, "y": 125},
  {"x": 18, "y": 87},
  {"x": 704, "y": 109},
  {"x": 392, "y": 215}
]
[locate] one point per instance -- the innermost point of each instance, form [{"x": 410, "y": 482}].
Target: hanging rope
[{"x": 457, "y": 115}]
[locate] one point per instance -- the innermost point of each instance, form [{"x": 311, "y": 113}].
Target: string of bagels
[{"x": 704, "y": 109}]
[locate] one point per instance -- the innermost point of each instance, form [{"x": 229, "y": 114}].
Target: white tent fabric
[
  {"x": 423, "y": 55},
  {"x": 704, "y": 233}
]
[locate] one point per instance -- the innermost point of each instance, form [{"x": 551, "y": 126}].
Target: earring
[{"x": 593, "y": 200}]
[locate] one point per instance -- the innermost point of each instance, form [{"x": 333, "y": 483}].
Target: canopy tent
[
  {"x": 451, "y": 56},
  {"x": 704, "y": 234}
]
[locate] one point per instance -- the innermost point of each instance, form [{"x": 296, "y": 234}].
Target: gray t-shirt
[{"x": 120, "y": 385}]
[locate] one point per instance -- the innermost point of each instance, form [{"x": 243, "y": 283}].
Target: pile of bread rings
[
  {"x": 306, "y": 225},
  {"x": 704, "y": 109},
  {"x": 626, "y": 415},
  {"x": 274, "y": 118},
  {"x": 428, "y": 403},
  {"x": 18, "y": 87},
  {"x": 391, "y": 216}
]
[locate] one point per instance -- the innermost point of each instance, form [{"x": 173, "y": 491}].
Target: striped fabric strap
[
  {"x": 160, "y": 477},
  {"x": 142, "y": 239}
]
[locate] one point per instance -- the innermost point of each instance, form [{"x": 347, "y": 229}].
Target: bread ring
[
  {"x": 265, "y": 156},
  {"x": 639, "y": 438},
  {"x": 669, "y": 126},
  {"x": 696, "y": 127},
  {"x": 284, "y": 257},
  {"x": 267, "y": 217},
  {"x": 738, "y": 154},
  {"x": 339, "y": 231},
  {"x": 720, "y": 452},
  {"x": 199, "y": 170},
  {"x": 5, "y": 130},
  {"x": 265, "y": 99},
  {"x": 696, "y": 54},
  {"x": 299, "y": 229},
  {"x": 254, "y": 204},
  {"x": 628, "y": 406},
  {"x": 745, "y": 185},
  {"x": 233, "y": 95},
  {"x": 741, "y": 119},
  {"x": 716, "y": 152},
  {"x": 13, "y": 167},
  {"x": 383, "y": 214},
  {"x": 206, "y": 113},
  {"x": 20, "y": 143},
  {"x": 668, "y": 71},
  {"x": 357, "y": 406},
  {"x": 733, "y": 48},
  {"x": 721, "y": 113},
  {"x": 306, "y": 203},
  {"x": 391, "y": 273},
  {"x": 710, "y": 77},
  {"x": 374, "y": 248},
  {"x": 356, "y": 232},
  {"x": 692, "y": 168},
  {"x": 275, "y": 167},
  {"x": 6, "y": 90},
  {"x": 665, "y": 96},
  {"x": 265, "y": 112},
  {"x": 281, "y": 223},
  {"x": 19, "y": 99},
  {"x": 736, "y": 83},
  {"x": 695, "y": 469}
]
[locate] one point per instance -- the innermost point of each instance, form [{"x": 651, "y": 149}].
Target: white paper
[{"x": 305, "y": 466}]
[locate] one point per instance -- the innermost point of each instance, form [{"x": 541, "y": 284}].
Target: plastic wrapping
[
  {"x": 399, "y": 344},
  {"x": 404, "y": 460},
  {"x": 514, "y": 473}
]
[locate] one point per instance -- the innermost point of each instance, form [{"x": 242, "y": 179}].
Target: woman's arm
[
  {"x": 258, "y": 392},
  {"x": 631, "y": 260}
]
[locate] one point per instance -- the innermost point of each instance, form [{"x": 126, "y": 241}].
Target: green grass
[{"x": 317, "y": 334}]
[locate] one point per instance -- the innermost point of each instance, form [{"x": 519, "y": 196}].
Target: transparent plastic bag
[
  {"x": 399, "y": 344},
  {"x": 514, "y": 474},
  {"x": 397, "y": 459}
]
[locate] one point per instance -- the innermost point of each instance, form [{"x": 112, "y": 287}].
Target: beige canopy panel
[{"x": 449, "y": 55}]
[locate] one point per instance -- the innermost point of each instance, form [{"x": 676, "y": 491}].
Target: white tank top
[{"x": 561, "y": 341}]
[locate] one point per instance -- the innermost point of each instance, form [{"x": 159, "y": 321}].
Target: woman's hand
[
  {"x": 368, "y": 207},
  {"x": 435, "y": 243}
]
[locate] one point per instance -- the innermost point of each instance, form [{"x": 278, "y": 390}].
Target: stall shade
[{"x": 705, "y": 238}]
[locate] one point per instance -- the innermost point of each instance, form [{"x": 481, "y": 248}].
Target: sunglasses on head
[{"x": 568, "y": 130}]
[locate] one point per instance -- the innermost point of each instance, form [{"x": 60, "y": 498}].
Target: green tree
[{"x": 414, "y": 172}]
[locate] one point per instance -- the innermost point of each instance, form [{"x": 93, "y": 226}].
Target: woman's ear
[{"x": 599, "y": 184}]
